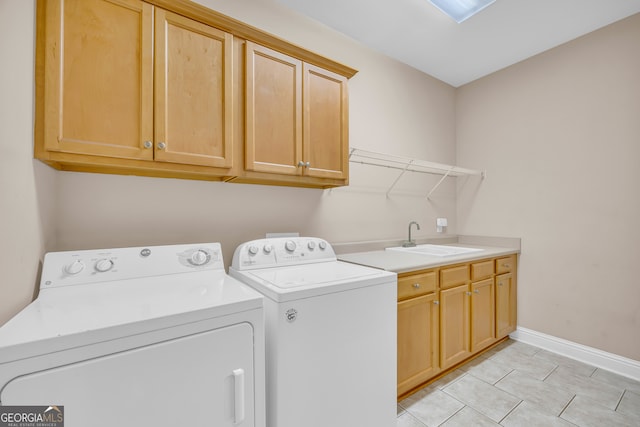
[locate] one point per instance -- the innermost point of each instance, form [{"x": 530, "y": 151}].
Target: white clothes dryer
[
  {"x": 145, "y": 336},
  {"x": 330, "y": 334}
]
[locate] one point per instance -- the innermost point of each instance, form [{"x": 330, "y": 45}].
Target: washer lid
[
  {"x": 302, "y": 281},
  {"x": 74, "y": 316}
]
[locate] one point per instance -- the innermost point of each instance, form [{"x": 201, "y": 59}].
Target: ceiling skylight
[{"x": 460, "y": 10}]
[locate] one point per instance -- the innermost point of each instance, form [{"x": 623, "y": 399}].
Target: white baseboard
[{"x": 592, "y": 356}]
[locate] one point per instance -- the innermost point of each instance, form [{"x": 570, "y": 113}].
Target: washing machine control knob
[
  {"x": 199, "y": 257},
  {"x": 103, "y": 265},
  {"x": 74, "y": 268},
  {"x": 267, "y": 248},
  {"x": 290, "y": 245},
  {"x": 311, "y": 245},
  {"x": 323, "y": 245},
  {"x": 253, "y": 249}
]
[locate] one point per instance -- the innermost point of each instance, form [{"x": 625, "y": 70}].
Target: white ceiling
[{"x": 417, "y": 33}]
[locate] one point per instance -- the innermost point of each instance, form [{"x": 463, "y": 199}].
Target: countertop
[{"x": 402, "y": 262}]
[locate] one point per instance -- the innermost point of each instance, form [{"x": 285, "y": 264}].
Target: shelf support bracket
[
  {"x": 438, "y": 183},
  {"x": 399, "y": 176}
]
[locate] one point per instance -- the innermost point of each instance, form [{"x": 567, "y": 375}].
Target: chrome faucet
[{"x": 410, "y": 243}]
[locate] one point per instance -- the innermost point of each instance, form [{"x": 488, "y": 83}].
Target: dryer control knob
[
  {"x": 199, "y": 257},
  {"x": 290, "y": 245},
  {"x": 74, "y": 268},
  {"x": 311, "y": 245},
  {"x": 253, "y": 249},
  {"x": 323, "y": 245},
  {"x": 267, "y": 249},
  {"x": 104, "y": 265}
]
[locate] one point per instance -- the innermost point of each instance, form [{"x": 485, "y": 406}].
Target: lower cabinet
[
  {"x": 483, "y": 314},
  {"x": 447, "y": 315},
  {"x": 506, "y": 300},
  {"x": 455, "y": 328},
  {"x": 418, "y": 356}
]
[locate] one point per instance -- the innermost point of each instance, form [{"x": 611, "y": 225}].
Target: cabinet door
[
  {"x": 483, "y": 325},
  {"x": 505, "y": 305},
  {"x": 326, "y": 134},
  {"x": 417, "y": 341},
  {"x": 273, "y": 140},
  {"x": 98, "y": 89},
  {"x": 454, "y": 321},
  {"x": 193, "y": 108}
]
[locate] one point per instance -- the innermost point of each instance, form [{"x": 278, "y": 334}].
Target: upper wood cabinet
[
  {"x": 193, "y": 86},
  {"x": 110, "y": 91},
  {"x": 98, "y": 77},
  {"x": 157, "y": 88},
  {"x": 296, "y": 118},
  {"x": 273, "y": 139}
]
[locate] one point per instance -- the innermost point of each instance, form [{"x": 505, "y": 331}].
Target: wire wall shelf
[{"x": 407, "y": 164}]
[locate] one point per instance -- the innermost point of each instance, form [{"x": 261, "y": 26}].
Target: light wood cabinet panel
[
  {"x": 483, "y": 314},
  {"x": 296, "y": 119},
  {"x": 193, "y": 92},
  {"x": 273, "y": 111},
  {"x": 455, "y": 326},
  {"x": 417, "y": 284},
  {"x": 505, "y": 264},
  {"x": 481, "y": 270},
  {"x": 98, "y": 71},
  {"x": 325, "y": 123},
  {"x": 418, "y": 337},
  {"x": 506, "y": 302},
  {"x": 453, "y": 276}
]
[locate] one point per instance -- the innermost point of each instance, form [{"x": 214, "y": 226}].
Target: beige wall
[
  {"x": 392, "y": 108},
  {"x": 560, "y": 137},
  {"x": 26, "y": 205}
]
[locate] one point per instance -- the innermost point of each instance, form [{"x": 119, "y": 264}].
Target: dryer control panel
[
  {"x": 281, "y": 251},
  {"x": 101, "y": 265}
]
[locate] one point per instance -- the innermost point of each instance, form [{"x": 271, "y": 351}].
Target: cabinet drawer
[
  {"x": 454, "y": 276},
  {"x": 481, "y": 270},
  {"x": 417, "y": 284},
  {"x": 506, "y": 264}
]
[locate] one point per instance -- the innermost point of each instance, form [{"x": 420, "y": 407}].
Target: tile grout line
[
  {"x": 509, "y": 413},
  {"x": 624, "y": 391},
  {"x": 454, "y": 414},
  {"x": 549, "y": 374},
  {"x": 566, "y": 406}
]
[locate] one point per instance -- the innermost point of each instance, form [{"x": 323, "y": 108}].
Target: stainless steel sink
[{"x": 435, "y": 250}]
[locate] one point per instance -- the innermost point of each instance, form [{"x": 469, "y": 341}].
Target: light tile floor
[{"x": 519, "y": 385}]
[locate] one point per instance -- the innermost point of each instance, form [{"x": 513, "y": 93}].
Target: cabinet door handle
[
  {"x": 301, "y": 164},
  {"x": 436, "y": 302},
  {"x": 147, "y": 144},
  {"x": 161, "y": 145},
  {"x": 506, "y": 265},
  {"x": 499, "y": 283},
  {"x": 416, "y": 285},
  {"x": 238, "y": 395},
  {"x": 477, "y": 291},
  {"x": 468, "y": 293}
]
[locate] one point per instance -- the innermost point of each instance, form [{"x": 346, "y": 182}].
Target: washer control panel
[
  {"x": 281, "y": 251},
  {"x": 100, "y": 265}
]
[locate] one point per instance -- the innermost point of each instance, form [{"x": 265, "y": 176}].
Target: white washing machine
[
  {"x": 330, "y": 334},
  {"x": 149, "y": 336}
]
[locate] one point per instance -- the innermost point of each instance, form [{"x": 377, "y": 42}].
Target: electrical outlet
[{"x": 441, "y": 224}]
